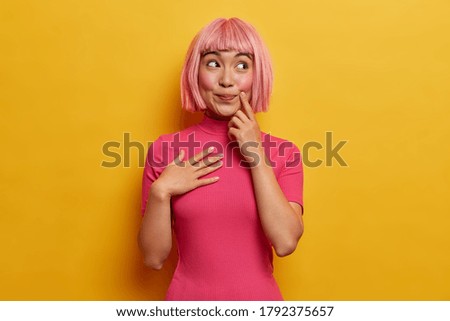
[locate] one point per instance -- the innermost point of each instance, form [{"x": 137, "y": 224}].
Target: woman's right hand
[{"x": 180, "y": 176}]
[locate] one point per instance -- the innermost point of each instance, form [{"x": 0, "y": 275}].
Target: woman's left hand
[{"x": 244, "y": 128}]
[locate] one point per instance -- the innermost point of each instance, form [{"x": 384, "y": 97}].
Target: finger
[
  {"x": 241, "y": 116},
  {"x": 230, "y": 137},
  {"x": 232, "y": 132},
  {"x": 235, "y": 122},
  {"x": 179, "y": 159},
  {"x": 210, "y": 169},
  {"x": 206, "y": 181},
  {"x": 196, "y": 158},
  {"x": 246, "y": 106},
  {"x": 208, "y": 161}
]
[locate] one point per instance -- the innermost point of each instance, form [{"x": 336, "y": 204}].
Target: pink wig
[{"x": 227, "y": 34}]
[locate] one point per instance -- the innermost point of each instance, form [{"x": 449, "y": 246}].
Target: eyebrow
[{"x": 217, "y": 53}]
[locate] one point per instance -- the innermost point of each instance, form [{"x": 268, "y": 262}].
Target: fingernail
[
  {"x": 211, "y": 149},
  {"x": 220, "y": 155},
  {"x": 242, "y": 94}
]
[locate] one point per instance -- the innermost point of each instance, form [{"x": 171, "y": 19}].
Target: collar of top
[{"x": 214, "y": 126}]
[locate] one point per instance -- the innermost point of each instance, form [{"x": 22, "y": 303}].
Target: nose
[{"x": 226, "y": 78}]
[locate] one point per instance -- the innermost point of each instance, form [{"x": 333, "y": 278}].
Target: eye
[
  {"x": 242, "y": 66},
  {"x": 212, "y": 63}
]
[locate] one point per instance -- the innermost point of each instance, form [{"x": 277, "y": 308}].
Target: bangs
[{"x": 227, "y": 36}]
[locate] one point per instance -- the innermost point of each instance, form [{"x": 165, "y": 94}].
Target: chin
[
  {"x": 225, "y": 111},
  {"x": 227, "y": 115}
]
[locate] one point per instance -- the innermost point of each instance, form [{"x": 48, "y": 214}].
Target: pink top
[{"x": 223, "y": 251}]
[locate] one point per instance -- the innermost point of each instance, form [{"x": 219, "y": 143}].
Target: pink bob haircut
[{"x": 227, "y": 34}]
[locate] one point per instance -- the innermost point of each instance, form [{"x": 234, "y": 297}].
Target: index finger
[
  {"x": 197, "y": 157},
  {"x": 246, "y": 106}
]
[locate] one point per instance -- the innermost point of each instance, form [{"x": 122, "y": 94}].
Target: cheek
[
  {"x": 245, "y": 83},
  {"x": 205, "y": 81}
]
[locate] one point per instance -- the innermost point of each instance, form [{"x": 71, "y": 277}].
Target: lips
[{"x": 226, "y": 97}]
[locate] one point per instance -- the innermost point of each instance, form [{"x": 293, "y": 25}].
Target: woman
[{"x": 229, "y": 191}]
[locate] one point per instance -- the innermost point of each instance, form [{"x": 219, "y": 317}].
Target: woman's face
[{"x": 222, "y": 76}]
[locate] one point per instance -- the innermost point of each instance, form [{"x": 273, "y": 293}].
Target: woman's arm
[
  {"x": 155, "y": 234},
  {"x": 179, "y": 177},
  {"x": 281, "y": 220}
]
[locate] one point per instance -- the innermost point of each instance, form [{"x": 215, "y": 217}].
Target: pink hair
[{"x": 227, "y": 34}]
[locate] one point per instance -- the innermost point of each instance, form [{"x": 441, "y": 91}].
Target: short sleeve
[
  {"x": 155, "y": 163},
  {"x": 290, "y": 178}
]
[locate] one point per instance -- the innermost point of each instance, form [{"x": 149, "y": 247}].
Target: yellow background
[{"x": 77, "y": 74}]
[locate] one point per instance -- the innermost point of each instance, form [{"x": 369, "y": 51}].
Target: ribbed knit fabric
[{"x": 223, "y": 251}]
